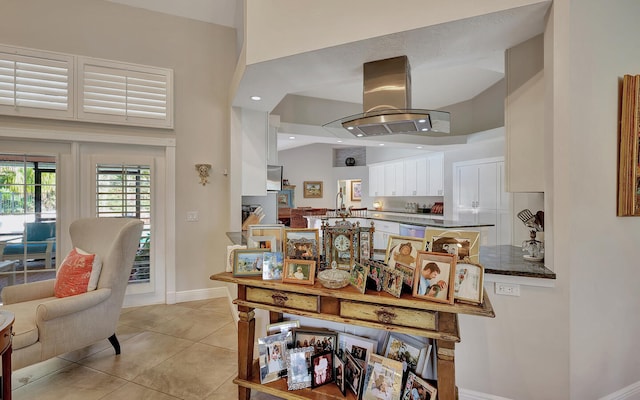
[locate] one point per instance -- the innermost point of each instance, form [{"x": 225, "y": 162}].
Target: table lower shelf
[{"x": 279, "y": 388}]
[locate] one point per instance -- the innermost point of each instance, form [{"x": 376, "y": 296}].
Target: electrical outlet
[
  {"x": 507, "y": 289},
  {"x": 192, "y": 216}
]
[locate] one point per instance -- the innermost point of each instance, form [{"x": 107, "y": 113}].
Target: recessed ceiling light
[
  {"x": 339, "y": 141},
  {"x": 292, "y": 137},
  {"x": 350, "y": 128},
  {"x": 381, "y": 144},
  {"x": 424, "y": 129},
  {"x": 418, "y": 147},
  {"x": 422, "y": 121},
  {"x": 256, "y": 98},
  {"x": 359, "y": 135}
]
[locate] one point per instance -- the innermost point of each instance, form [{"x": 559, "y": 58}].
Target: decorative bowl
[{"x": 333, "y": 278}]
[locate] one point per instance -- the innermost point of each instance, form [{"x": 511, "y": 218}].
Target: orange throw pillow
[{"x": 73, "y": 275}]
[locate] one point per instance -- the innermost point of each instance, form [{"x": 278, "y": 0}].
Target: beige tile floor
[{"x": 181, "y": 351}]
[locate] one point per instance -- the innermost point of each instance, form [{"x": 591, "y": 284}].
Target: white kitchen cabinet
[
  {"x": 382, "y": 231},
  {"x": 435, "y": 169},
  {"x": 416, "y": 178},
  {"x": 394, "y": 178},
  {"x": 477, "y": 186},
  {"x": 376, "y": 180}
]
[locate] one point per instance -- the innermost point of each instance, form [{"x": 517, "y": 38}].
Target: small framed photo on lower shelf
[
  {"x": 298, "y": 371},
  {"x": 339, "y": 374},
  {"x": 322, "y": 364},
  {"x": 418, "y": 388}
]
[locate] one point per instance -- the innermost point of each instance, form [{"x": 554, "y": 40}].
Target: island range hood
[{"x": 386, "y": 103}]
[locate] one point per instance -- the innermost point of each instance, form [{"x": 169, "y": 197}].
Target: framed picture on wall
[
  {"x": 356, "y": 190},
  {"x": 312, "y": 189}
]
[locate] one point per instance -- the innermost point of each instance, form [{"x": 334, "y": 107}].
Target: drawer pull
[
  {"x": 279, "y": 298},
  {"x": 385, "y": 316}
]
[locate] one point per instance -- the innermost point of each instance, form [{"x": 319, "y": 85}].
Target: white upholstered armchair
[{"x": 47, "y": 326}]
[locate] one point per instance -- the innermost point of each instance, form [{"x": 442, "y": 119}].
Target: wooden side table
[
  {"x": 378, "y": 310},
  {"x": 6, "y": 325}
]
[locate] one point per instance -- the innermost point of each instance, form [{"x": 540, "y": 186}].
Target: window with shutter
[
  {"x": 35, "y": 83},
  {"x": 125, "y": 191},
  {"x": 122, "y": 93}
]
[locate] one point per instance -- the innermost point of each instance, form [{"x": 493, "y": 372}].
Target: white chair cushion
[{"x": 24, "y": 328}]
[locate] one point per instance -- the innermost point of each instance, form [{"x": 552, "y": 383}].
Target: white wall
[
  {"x": 202, "y": 56},
  {"x": 602, "y": 248}
]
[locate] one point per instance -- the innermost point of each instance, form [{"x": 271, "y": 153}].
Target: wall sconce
[{"x": 203, "y": 171}]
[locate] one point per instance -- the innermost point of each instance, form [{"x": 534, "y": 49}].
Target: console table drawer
[
  {"x": 422, "y": 319},
  {"x": 283, "y": 299}
]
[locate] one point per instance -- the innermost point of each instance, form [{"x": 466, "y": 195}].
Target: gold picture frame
[
  {"x": 464, "y": 244},
  {"x": 356, "y": 190},
  {"x": 312, "y": 189},
  {"x": 628, "y": 152},
  {"x": 299, "y": 271}
]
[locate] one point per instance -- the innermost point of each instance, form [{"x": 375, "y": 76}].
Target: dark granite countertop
[
  {"x": 508, "y": 260},
  {"x": 498, "y": 260}
]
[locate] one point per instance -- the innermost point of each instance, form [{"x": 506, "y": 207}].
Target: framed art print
[
  {"x": 248, "y": 262},
  {"x": 298, "y": 373},
  {"x": 358, "y": 278},
  {"x": 322, "y": 368},
  {"x": 464, "y": 244},
  {"x": 434, "y": 277},
  {"x": 320, "y": 339},
  {"x": 299, "y": 271},
  {"x": 302, "y": 244},
  {"x": 392, "y": 280},
  {"x": 468, "y": 283},
  {"x": 384, "y": 379},
  {"x": 272, "y": 265}
]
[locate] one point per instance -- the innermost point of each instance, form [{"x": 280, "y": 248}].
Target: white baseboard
[
  {"x": 631, "y": 392},
  {"x": 466, "y": 394},
  {"x": 201, "y": 294}
]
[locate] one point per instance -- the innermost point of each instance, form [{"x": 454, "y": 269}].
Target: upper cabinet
[
  {"x": 415, "y": 176},
  {"x": 524, "y": 116}
]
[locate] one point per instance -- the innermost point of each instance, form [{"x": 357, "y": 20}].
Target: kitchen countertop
[
  {"x": 498, "y": 260},
  {"x": 410, "y": 219}
]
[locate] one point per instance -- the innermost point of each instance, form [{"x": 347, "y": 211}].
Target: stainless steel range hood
[{"x": 386, "y": 103}]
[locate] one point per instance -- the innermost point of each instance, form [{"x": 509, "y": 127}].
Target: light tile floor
[{"x": 181, "y": 351}]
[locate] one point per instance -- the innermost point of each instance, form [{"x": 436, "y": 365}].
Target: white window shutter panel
[
  {"x": 35, "y": 83},
  {"x": 128, "y": 94}
]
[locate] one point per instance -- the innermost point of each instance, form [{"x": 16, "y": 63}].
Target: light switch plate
[{"x": 192, "y": 216}]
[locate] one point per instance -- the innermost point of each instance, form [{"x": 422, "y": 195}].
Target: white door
[{"x": 129, "y": 181}]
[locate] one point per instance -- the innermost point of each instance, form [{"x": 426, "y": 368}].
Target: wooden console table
[
  {"x": 378, "y": 310},
  {"x": 6, "y": 338}
]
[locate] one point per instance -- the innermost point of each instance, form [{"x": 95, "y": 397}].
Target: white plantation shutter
[
  {"x": 35, "y": 83},
  {"x": 125, "y": 191},
  {"x": 122, "y": 93}
]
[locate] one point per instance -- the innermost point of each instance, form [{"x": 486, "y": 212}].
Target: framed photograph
[
  {"x": 322, "y": 364},
  {"x": 282, "y": 327},
  {"x": 272, "y": 358},
  {"x": 356, "y": 346},
  {"x": 299, "y": 271},
  {"x": 384, "y": 379},
  {"x": 418, "y": 388},
  {"x": 353, "y": 375},
  {"x": 320, "y": 339},
  {"x": 272, "y": 265},
  {"x": 248, "y": 262},
  {"x": 403, "y": 250},
  {"x": 302, "y": 244},
  {"x": 365, "y": 245},
  {"x": 468, "y": 283},
  {"x": 434, "y": 276},
  {"x": 356, "y": 190},
  {"x": 358, "y": 279},
  {"x": 312, "y": 189},
  {"x": 408, "y": 272},
  {"x": 392, "y": 280},
  {"x": 298, "y": 363},
  {"x": 339, "y": 374},
  {"x": 275, "y": 230},
  {"x": 464, "y": 244},
  {"x": 376, "y": 275},
  {"x": 406, "y": 349},
  {"x": 262, "y": 242},
  {"x": 231, "y": 254}
]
